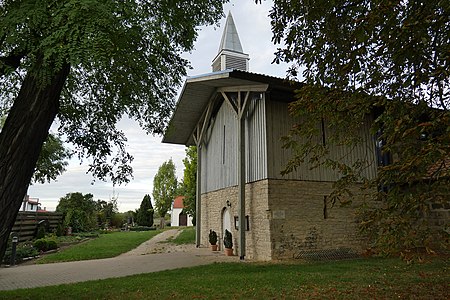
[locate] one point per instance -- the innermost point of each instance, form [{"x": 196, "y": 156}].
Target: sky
[{"x": 253, "y": 26}]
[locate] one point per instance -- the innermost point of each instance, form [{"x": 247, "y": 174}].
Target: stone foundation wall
[
  {"x": 286, "y": 218},
  {"x": 258, "y": 241},
  {"x": 304, "y": 221}
]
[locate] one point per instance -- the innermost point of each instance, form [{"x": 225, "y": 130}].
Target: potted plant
[
  {"x": 213, "y": 239},
  {"x": 228, "y": 243}
]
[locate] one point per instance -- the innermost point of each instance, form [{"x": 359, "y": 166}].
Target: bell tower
[{"x": 231, "y": 55}]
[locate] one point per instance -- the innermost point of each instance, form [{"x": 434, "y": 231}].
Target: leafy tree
[
  {"x": 52, "y": 160},
  {"x": 145, "y": 214},
  {"x": 79, "y": 211},
  {"x": 88, "y": 63},
  {"x": 164, "y": 188},
  {"x": 385, "y": 58},
  {"x": 189, "y": 183},
  {"x": 105, "y": 211}
]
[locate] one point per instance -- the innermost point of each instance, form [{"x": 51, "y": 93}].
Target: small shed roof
[
  {"x": 198, "y": 90},
  {"x": 178, "y": 202}
]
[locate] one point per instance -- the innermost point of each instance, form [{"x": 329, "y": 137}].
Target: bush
[
  {"x": 51, "y": 245},
  {"x": 228, "y": 240},
  {"x": 60, "y": 230},
  {"x": 212, "y": 237},
  {"x": 22, "y": 251},
  {"x": 45, "y": 244},
  {"x": 142, "y": 228},
  {"x": 40, "y": 244},
  {"x": 40, "y": 232}
]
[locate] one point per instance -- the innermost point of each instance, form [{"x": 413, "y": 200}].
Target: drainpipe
[
  {"x": 198, "y": 202},
  {"x": 241, "y": 197}
]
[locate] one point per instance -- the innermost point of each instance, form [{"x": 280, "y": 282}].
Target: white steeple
[{"x": 231, "y": 55}]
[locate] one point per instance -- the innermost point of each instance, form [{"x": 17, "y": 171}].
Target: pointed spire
[
  {"x": 231, "y": 55},
  {"x": 230, "y": 38}
]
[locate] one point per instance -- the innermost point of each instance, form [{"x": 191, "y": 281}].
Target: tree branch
[{"x": 11, "y": 62}]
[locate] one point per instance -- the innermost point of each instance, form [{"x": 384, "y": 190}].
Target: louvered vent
[{"x": 233, "y": 62}]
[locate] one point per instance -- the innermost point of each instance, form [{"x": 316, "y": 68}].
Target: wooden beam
[
  {"x": 244, "y": 88},
  {"x": 230, "y": 102},
  {"x": 245, "y": 105},
  {"x": 206, "y": 119}
]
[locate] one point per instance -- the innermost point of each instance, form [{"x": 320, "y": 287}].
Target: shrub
[
  {"x": 40, "y": 232},
  {"x": 51, "y": 245},
  {"x": 228, "y": 240},
  {"x": 212, "y": 237},
  {"x": 60, "y": 231},
  {"x": 22, "y": 251},
  {"x": 40, "y": 244},
  {"x": 142, "y": 228},
  {"x": 45, "y": 244}
]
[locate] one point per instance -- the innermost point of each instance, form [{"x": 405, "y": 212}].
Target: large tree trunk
[{"x": 21, "y": 140}]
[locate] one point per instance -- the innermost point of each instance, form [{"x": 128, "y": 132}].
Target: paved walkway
[{"x": 151, "y": 256}]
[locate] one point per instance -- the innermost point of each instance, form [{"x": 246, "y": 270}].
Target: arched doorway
[
  {"x": 226, "y": 223},
  {"x": 182, "y": 219}
]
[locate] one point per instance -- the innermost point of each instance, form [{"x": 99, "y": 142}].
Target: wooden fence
[{"x": 27, "y": 223}]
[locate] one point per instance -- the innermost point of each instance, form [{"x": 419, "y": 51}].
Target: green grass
[
  {"x": 358, "y": 279},
  {"x": 187, "y": 236},
  {"x": 105, "y": 246}
]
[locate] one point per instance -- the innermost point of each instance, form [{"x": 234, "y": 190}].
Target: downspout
[
  {"x": 241, "y": 178},
  {"x": 198, "y": 198}
]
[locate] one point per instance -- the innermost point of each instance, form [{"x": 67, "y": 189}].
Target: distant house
[
  {"x": 178, "y": 216},
  {"x": 236, "y": 119},
  {"x": 30, "y": 204}
]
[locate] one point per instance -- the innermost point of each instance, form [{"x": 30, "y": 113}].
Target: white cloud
[{"x": 149, "y": 153}]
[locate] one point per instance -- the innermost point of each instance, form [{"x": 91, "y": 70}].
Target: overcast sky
[{"x": 253, "y": 26}]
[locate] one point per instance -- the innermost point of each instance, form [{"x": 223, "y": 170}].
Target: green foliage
[
  {"x": 212, "y": 237},
  {"x": 186, "y": 237},
  {"x": 164, "y": 187},
  {"x": 355, "y": 279},
  {"x": 357, "y": 73},
  {"x": 124, "y": 57},
  {"x": 106, "y": 211},
  {"x": 105, "y": 246},
  {"x": 228, "y": 239},
  {"x": 40, "y": 232},
  {"x": 79, "y": 211},
  {"x": 141, "y": 228},
  {"x": 45, "y": 244},
  {"x": 145, "y": 214},
  {"x": 189, "y": 183},
  {"x": 52, "y": 160},
  {"x": 117, "y": 220},
  {"x": 60, "y": 230},
  {"x": 23, "y": 250}
]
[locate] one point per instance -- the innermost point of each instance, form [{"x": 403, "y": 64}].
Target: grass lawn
[
  {"x": 357, "y": 279},
  {"x": 106, "y": 245},
  {"x": 187, "y": 236}
]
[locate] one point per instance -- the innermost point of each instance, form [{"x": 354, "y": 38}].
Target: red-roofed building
[
  {"x": 30, "y": 204},
  {"x": 179, "y": 218}
]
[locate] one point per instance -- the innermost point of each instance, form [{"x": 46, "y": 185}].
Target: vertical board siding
[
  {"x": 279, "y": 124},
  {"x": 255, "y": 139},
  {"x": 220, "y": 148}
]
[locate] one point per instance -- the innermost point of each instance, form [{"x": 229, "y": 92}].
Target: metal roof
[
  {"x": 230, "y": 38},
  {"x": 197, "y": 92}
]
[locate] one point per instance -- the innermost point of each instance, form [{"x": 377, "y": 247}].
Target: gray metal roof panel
[{"x": 198, "y": 90}]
